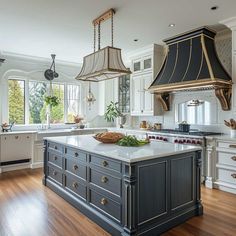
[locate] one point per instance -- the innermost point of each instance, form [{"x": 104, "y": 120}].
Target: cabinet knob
[
  {"x": 232, "y": 145},
  {"x": 103, "y": 201},
  {"x": 104, "y": 179},
  {"x": 27, "y": 137},
  {"x": 54, "y": 172},
  {"x": 75, "y": 167},
  {"x": 75, "y": 185},
  {"x": 233, "y": 176},
  {"x": 16, "y": 137},
  {"x": 55, "y": 147},
  {"x": 76, "y": 154},
  {"x": 233, "y": 158},
  {"x": 55, "y": 158},
  {"x": 104, "y": 163}
]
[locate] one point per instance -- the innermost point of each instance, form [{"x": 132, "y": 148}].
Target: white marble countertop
[
  {"x": 226, "y": 137},
  {"x": 127, "y": 154}
]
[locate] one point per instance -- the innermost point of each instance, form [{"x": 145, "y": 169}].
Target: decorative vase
[{"x": 233, "y": 133}]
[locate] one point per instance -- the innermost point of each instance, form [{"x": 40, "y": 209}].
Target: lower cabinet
[{"x": 141, "y": 198}]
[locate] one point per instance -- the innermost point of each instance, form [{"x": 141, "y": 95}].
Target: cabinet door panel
[
  {"x": 148, "y": 97},
  {"x": 136, "y": 95}
]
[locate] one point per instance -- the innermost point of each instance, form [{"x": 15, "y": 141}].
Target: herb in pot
[
  {"x": 52, "y": 100},
  {"x": 112, "y": 112}
]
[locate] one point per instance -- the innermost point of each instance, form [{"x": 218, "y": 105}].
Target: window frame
[{"x": 26, "y": 98}]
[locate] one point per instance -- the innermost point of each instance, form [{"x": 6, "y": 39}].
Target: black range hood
[{"x": 192, "y": 63}]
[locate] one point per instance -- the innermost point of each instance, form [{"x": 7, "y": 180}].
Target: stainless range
[{"x": 186, "y": 138}]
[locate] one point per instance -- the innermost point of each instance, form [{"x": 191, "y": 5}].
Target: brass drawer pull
[
  {"x": 75, "y": 167},
  {"x": 233, "y": 158},
  {"x": 55, "y": 158},
  {"x": 233, "y": 176},
  {"x": 104, "y": 179},
  {"x": 54, "y": 172},
  {"x": 55, "y": 147},
  {"x": 104, "y": 163},
  {"x": 16, "y": 137},
  {"x": 232, "y": 145},
  {"x": 76, "y": 154},
  {"x": 75, "y": 185},
  {"x": 104, "y": 201}
]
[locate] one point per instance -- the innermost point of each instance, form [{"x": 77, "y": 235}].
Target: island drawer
[
  {"x": 105, "y": 163},
  {"x": 55, "y": 174},
  {"x": 55, "y": 159},
  {"x": 106, "y": 181},
  {"x": 77, "y": 168},
  {"x": 72, "y": 152},
  {"x": 106, "y": 204},
  {"x": 72, "y": 184},
  {"x": 227, "y": 158},
  {"x": 55, "y": 147}
]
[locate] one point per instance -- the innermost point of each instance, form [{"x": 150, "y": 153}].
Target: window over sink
[{"x": 26, "y": 101}]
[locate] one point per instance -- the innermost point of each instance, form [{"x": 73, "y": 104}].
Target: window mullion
[{"x": 27, "y": 112}]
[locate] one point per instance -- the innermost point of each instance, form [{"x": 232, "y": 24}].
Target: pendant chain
[
  {"x": 94, "y": 38},
  {"x": 99, "y": 35},
  {"x": 112, "y": 29}
]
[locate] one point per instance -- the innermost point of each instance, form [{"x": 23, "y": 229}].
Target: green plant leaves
[{"x": 112, "y": 112}]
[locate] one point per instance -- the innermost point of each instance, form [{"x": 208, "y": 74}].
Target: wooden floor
[{"x": 27, "y": 208}]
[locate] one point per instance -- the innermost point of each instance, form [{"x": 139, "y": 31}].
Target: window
[
  {"x": 27, "y": 106},
  {"x": 124, "y": 94},
  {"x": 16, "y": 101},
  {"x": 37, "y": 91},
  {"x": 73, "y": 98}
]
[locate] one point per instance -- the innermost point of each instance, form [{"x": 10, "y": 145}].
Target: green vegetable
[{"x": 131, "y": 141}]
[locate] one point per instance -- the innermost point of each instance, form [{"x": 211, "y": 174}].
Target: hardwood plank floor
[{"x": 27, "y": 208}]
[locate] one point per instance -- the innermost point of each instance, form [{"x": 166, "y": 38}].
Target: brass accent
[
  {"x": 164, "y": 99},
  {"x": 16, "y": 137},
  {"x": 176, "y": 59},
  {"x": 207, "y": 58},
  {"x": 75, "y": 167},
  {"x": 105, "y": 16},
  {"x": 200, "y": 66},
  {"x": 232, "y": 146},
  {"x": 103, "y": 201},
  {"x": 104, "y": 163},
  {"x": 233, "y": 176},
  {"x": 104, "y": 179},
  {"x": 224, "y": 97},
  {"x": 75, "y": 185},
  {"x": 233, "y": 158},
  {"x": 189, "y": 59}
]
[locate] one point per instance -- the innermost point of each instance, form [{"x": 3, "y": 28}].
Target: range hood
[{"x": 191, "y": 63}]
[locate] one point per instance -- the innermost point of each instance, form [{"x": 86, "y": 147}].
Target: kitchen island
[{"x": 126, "y": 190}]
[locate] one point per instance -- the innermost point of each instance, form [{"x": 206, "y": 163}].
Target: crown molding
[
  {"x": 230, "y": 22},
  {"x": 34, "y": 59}
]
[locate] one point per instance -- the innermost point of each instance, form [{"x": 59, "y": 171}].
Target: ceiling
[{"x": 39, "y": 28}]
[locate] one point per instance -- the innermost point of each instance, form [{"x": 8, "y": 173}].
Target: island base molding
[{"x": 145, "y": 198}]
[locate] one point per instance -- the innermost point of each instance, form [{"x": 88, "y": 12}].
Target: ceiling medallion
[{"x": 105, "y": 63}]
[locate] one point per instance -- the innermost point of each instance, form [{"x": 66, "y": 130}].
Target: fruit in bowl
[{"x": 108, "y": 137}]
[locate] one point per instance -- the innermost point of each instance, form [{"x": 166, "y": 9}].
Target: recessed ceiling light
[
  {"x": 214, "y": 8},
  {"x": 172, "y": 25},
  {"x": 135, "y": 40}
]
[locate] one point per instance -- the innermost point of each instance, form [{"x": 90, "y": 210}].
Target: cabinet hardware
[
  {"x": 28, "y": 137},
  {"x": 75, "y": 185},
  {"x": 55, "y": 147},
  {"x": 104, "y": 201},
  {"x": 55, "y": 158},
  {"x": 54, "y": 172},
  {"x": 76, "y": 154},
  {"x": 232, "y": 145},
  {"x": 16, "y": 137},
  {"x": 233, "y": 158},
  {"x": 233, "y": 176},
  {"x": 104, "y": 179},
  {"x": 104, "y": 163},
  {"x": 75, "y": 167},
  {"x": 5, "y": 138}
]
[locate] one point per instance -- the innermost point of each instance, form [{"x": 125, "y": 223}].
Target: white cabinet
[
  {"x": 15, "y": 147},
  {"x": 145, "y": 65}
]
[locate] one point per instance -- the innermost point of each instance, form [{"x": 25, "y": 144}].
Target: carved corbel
[
  {"x": 224, "y": 97},
  {"x": 164, "y": 99}
]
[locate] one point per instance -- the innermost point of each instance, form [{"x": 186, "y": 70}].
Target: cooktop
[{"x": 191, "y": 132}]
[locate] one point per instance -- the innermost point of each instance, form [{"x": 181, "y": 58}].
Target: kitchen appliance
[
  {"x": 184, "y": 127},
  {"x": 176, "y": 136}
]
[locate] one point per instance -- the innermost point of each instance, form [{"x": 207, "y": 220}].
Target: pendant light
[
  {"x": 90, "y": 98},
  {"x": 105, "y": 63}
]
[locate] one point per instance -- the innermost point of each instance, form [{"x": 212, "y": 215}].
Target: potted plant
[
  {"x": 232, "y": 124},
  {"x": 53, "y": 101}
]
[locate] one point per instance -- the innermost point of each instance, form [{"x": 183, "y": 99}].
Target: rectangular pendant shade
[{"x": 103, "y": 64}]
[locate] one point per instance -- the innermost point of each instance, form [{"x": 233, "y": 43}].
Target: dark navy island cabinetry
[{"x": 145, "y": 197}]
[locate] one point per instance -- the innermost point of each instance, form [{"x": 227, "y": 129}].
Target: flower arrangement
[
  {"x": 231, "y": 123},
  {"x": 78, "y": 119}
]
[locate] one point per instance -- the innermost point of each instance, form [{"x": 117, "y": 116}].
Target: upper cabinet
[{"x": 145, "y": 64}]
